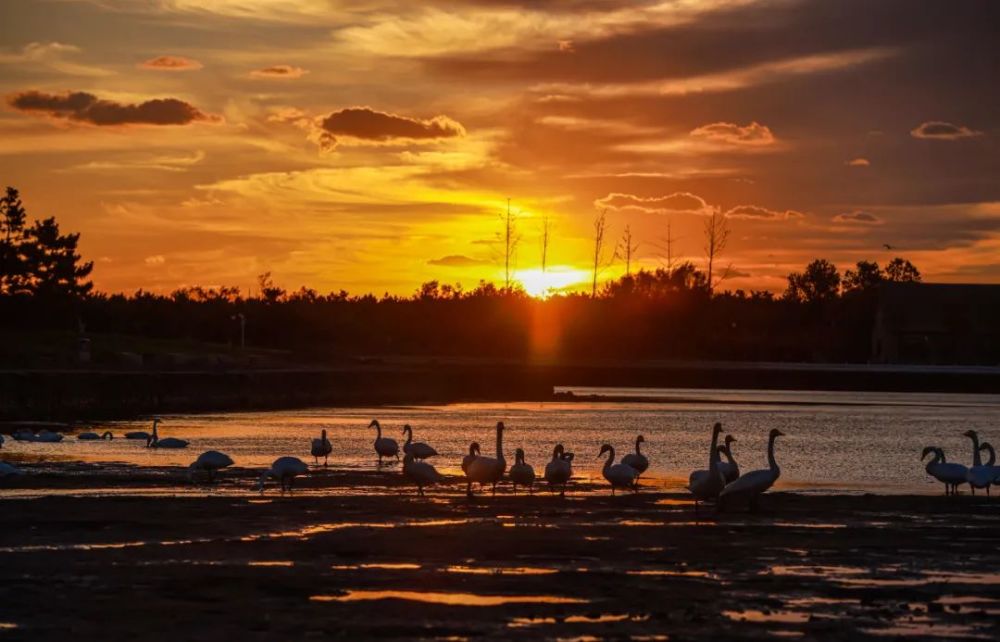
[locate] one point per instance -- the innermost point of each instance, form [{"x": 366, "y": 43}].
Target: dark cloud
[
  {"x": 171, "y": 63},
  {"x": 676, "y": 202},
  {"x": 757, "y": 213},
  {"x": 943, "y": 131},
  {"x": 279, "y": 71},
  {"x": 84, "y": 107},
  {"x": 858, "y": 217},
  {"x": 364, "y": 123},
  {"x": 456, "y": 260}
]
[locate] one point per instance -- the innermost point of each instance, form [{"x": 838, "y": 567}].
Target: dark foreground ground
[{"x": 157, "y": 560}]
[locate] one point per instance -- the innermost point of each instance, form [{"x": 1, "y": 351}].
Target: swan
[
  {"x": 637, "y": 460},
  {"x": 559, "y": 470},
  {"x": 23, "y": 435},
  {"x": 9, "y": 469},
  {"x": 420, "y": 472},
  {"x": 521, "y": 473},
  {"x": 48, "y": 437},
  {"x": 419, "y": 449},
  {"x": 285, "y": 470},
  {"x": 982, "y": 475},
  {"x": 473, "y": 453},
  {"x": 707, "y": 484},
  {"x": 991, "y": 464},
  {"x": 92, "y": 436},
  {"x": 487, "y": 470},
  {"x": 321, "y": 448},
  {"x": 209, "y": 462},
  {"x": 730, "y": 469},
  {"x": 154, "y": 440},
  {"x": 618, "y": 475},
  {"x": 951, "y": 475},
  {"x": 384, "y": 446},
  {"x": 142, "y": 435},
  {"x": 755, "y": 483}
]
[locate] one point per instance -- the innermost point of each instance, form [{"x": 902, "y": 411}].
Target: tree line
[{"x": 668, "y": 312}]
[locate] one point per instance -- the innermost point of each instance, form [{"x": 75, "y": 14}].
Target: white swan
[
  {"x": 474, "y": 452},
  {"x": 285, "y": 470},
  {"x": 384, "y": 446},
  {"x": 9, "y": 469},
  {"x": 707, "y": 484},
  {"x": 637, "y": 460},
  {"x": 951, "y": 475},
  {"x": 92, "y": 436},
  {"x": 487, "y": 470},
  {"x": 618, "y": 475},
  {"x": 752, "y": 485},
  {"x": 521, "y": 473},
  {"x": 420, "y": 473},
  {"x": 321, "y": 448},
  {"x": 730, "y": 469},
  {"x": 978, "y": 476},
  {"x": 419, "y": 450},
  {"x": 154, "y": 440},
  {"x": 209, "y": 462},
  {"x": 559, "y": 470},
  {"x": 48, "y": 437}
]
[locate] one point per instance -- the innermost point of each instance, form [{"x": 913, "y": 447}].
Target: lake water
[{"x": 836, "y": 441}]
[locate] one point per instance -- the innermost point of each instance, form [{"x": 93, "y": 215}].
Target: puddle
[
  {"x": 7, "y": 626},
  {"x": 271, "y": 563},
  {"x": 386, "y": 566},
  {"x": 927, "y": 627},
  {"x": 603, "y": 618},
  {"x": 453, "y": 599},
  {"x": 673, "y": 573},
  {"x": 752, "y": 615},
  {"x": 524, "y": 622}
]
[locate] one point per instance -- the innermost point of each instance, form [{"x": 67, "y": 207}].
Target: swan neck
[
  {"x": 713, "y": 455},
  {"x": 770, "y": 453},
  {"x": 499, "y": 444},
  {"x": 611, "y": 458},
  {"x": 638, "y": 444},
  {"x": 977, "y": 459}
]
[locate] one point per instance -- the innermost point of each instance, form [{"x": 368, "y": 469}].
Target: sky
[{"x": 373, "y": 145}]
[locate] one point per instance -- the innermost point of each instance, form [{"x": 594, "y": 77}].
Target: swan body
[
  {"x": 473, "y": 453},
  {"x": 93, "y": 436},
  {"x": 384, "y": 447},
  {"x": 154, "y": 440},
  {"x": 618, "y": 475},
  {"x": 521, "y": 473},
  {"x": 991, "y": 464},
  {"x": 978, "y": 475},
  {"x": 951, "y": 475},
  {"x": 321, "y": 448},
  {"x": 559, "y": 470},
  {"x": 138, "y": 435},
  {"x": 730, "y": 469},
  {"x": 637, "y": 460},
  {"x": 983, "y": 475},
  {"x": 9, "y": 469},
  {"x": 707, "y": 484},
  {"x": 420, "y": 472},
  {"x": 48, "y": 437},
  {"x": 23, "y": 435},
  {"x": 418, "y": 449},
  {"x": 752, "y": 485},
  {"x": 209, "y": 462},
  {"x": 285, "y": 470},
  {"x": 487, "y": 470}
]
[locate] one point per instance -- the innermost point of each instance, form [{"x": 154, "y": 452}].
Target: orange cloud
[
  {"x": 857, "y": 217},
  {"x": 757, "y": 213},
  {"x": 858, "y": 162},
  {"x": 456, "y": 260},
  {"x": 80, "y": 106},
  {"x": 732, "y": 134},
  {"x": 171, "y": 63},
  {"x": 940, "y": 130},
  {"x": 279, "y": 71},
  {"x": 676, "y": 202}
]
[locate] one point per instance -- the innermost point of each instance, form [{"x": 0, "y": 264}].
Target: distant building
[{"x": 937, "y": 323}]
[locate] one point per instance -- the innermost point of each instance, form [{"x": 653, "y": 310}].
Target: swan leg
[
  {"x": 494, "y": 489},
  {"x": 468, "y": 489}
]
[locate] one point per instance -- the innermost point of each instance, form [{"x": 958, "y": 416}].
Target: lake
[{"x": 836, "y": 441}]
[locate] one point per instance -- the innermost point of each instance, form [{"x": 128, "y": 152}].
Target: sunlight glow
[{"x": 552, "y": 280}]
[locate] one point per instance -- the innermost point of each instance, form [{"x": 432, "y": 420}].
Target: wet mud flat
[{"x": 357, "y": 556}]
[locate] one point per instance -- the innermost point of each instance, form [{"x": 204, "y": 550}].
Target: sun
[{"x": 554, "y": 279}]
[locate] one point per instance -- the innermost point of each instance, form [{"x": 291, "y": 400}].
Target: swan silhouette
[
  {"x": 384, "y": 446},
  {"x": 730, "y": 469},
  {"x": 209, "y": 462},
  {"x": 521, "y": 473},
  {"x": 487, "y": 470},
  {"x": 420, "y": 473},
  {"x": 321, "y": 448},
  {"x": 637, "y": 460},
  {"x": 951, "y": 475},
  {"x": 154, "y": 440},
  {"x": 559, "y": 470},
  {"x": 750, "y": 486},
  {"x": 285, "y": 470},
  {"x": 618, "y": 475},
  {"x": 93, "y": 436},
  {"x": 419, "y": 450},
  {"x": 707, "y": 484}
]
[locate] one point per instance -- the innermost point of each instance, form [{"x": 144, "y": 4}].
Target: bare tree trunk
[
  {"x": 716, "y": 239},
  {"x": 600, "y": 229},
  {"x": 627, "y": 250},
  {"x": 510, "y": 239},
  {"x": 546, "y": 232}
]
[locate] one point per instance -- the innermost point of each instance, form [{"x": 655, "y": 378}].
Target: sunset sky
[{"x": 370, "y": 146}]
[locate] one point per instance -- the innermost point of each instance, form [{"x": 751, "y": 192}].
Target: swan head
[
  {"x": 558, "y": 451},
  {"x": 640, "y": 439},
  {"x": 323, "y": 433},
  {"x": 776, "y": 433},
  {"x": 374, "y": 424},
  {"x": 604, "y": 449},
  {"x": 500, "y": 426},
  {"x": 519, "y": 455},
  {"x": 971, "y": 434},
  {"x": 717, "y": 428},
  {"x": 474, "y": 448},
  {"x": 927, "y": 451},
  {"x": 730, "y": 439},
  {"x": 407, "y": 429},
  {"x": 157, "y": 420}
]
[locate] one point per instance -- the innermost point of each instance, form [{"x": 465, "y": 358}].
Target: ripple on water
[
  {"x": 754, "y": 615},
  {"x": 452, "y": 599}
]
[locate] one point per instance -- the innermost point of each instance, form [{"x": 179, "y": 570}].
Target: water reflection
[{"x": 452, "y": 599}]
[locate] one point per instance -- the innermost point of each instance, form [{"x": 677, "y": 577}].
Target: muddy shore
[{"x": 119, "y": 553}]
